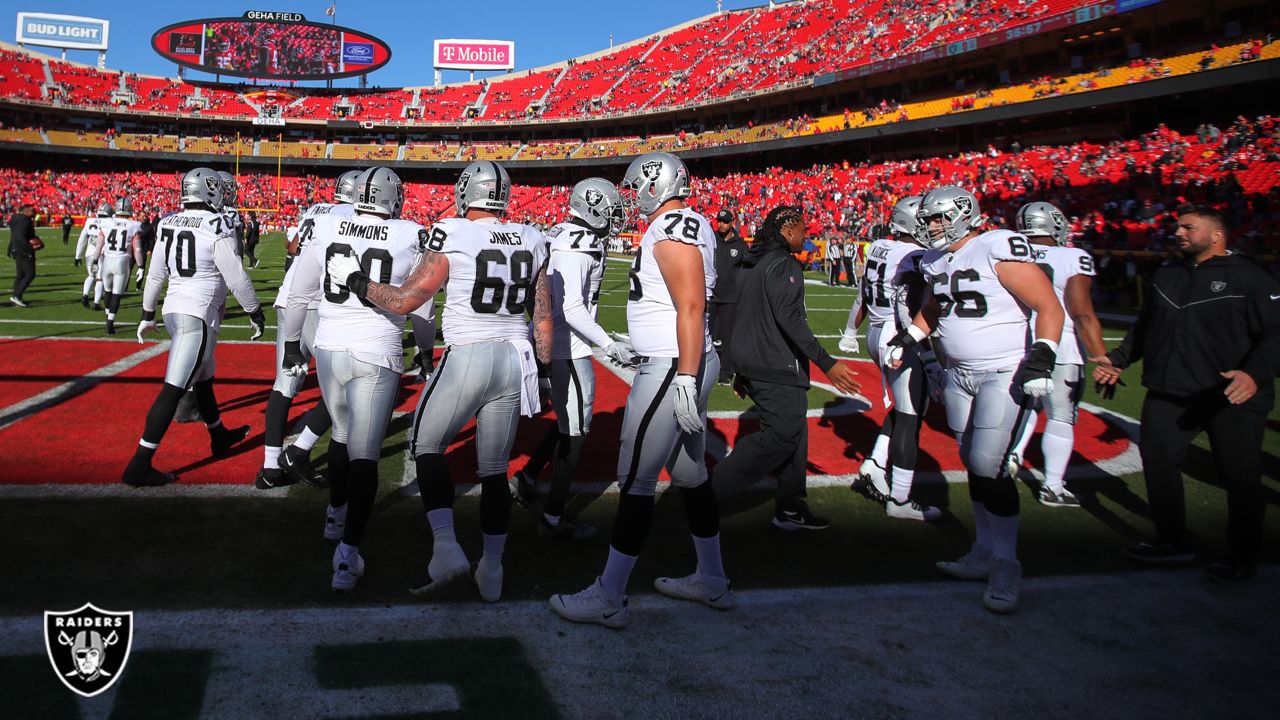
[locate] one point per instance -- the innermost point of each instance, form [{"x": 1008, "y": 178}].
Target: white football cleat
[
  {"x": 335, "y": 522},
  {"x": 975, "y": 565},
  {"x": 346, "y": 568},
  {"x": 448, "y": 563},
  {"x": 593, "y": 605},
  {"x": 489, "y": 580},
  {"x": 712, "y": 592},
  {"x": 1002, "y": 588},
  {"x": 877, "y": 478},
  {"x": 911, "y": 510}
]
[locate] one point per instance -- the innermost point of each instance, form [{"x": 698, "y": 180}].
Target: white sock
[
  {"x": 97, "y": 293},
  {"x": 111, "y": 316},
  {"x": 441, "y": 521},
  {"x": 213, "y": 424},
  {"x": 346, "y": 550},
  {"x": 710, "y": 563},
  {"x": 306, "y": 440},
  {"x": 1004, "y": 536},
  {"x": 493, "y": 546},
  {"x": 88, "y": 286},
  {"x": 1056, "y": 444},
  {"x": 880, "y": 451},
  {"x": 981, "y": 528},
  {"x": 272, "y": 457},
  {"x": 1028, "y": 428},
  {"x": 617, "y": 571},
  {"x": 901, "y": 489},
  {"x": 552, "y": 520}
]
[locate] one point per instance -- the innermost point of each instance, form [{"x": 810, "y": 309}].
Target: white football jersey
[
  {"x": 387, "y": 250},
  {"x": 234, "y": 222},
  {"x": 188, "y": 247},
  {"x": 304, "y": 232},
  {"x": 492, "y": 268},
  {"x": 117, "y": 236},
  {"x": 981, "y": 326},
  {"x": 1061, "y": 264},
  {"x": 89, "y": 237},
  {"x": 575, "y": 271},
  {"x": 884, "y": 282},
  {"x": 651, "y": 314}
]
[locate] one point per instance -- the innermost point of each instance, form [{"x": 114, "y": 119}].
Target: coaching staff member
[
  {"x": 730, "y": 250},
  {"x": 22, "y": 231},
  {"x": 1209, "y": 338},
  {"x": 772, "y": 346}
]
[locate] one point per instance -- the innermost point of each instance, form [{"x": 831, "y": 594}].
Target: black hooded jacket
[
  {"x": 1201, "y": 320},
  {"x": 771, "y": 339}
]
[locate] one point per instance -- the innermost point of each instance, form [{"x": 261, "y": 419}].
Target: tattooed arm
[
  {"x": 417, "y": 289},
  {"x": 542, "y": 327}
]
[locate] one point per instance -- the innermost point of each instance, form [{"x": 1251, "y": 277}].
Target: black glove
[
  {"x": 77, "y": 262},
  {"x": 1036, "y": 374},
  {"x": 295, "y": 363},
  {"x": 259, "y": 321}
]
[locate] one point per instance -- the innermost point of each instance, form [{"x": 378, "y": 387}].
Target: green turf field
[{"x": 178, "y": 544}]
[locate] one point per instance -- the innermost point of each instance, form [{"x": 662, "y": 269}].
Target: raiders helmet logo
[
  {"x": 651, "y": 170},
  {"x": 214, "y": 184},
  {"x": 593, "y": 197},
  {"x": 963, "y": 205},
  {"x": 462, "y": 182},
  {"x": 88, "y": 647},
  {"x": 1217, "y": 286}
]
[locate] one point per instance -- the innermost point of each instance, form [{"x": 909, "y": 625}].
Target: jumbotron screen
[{"x": 268, "y": 45}]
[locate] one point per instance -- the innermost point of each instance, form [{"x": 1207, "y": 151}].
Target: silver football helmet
[
  {"x": 483, "y": 185},
  {"x": 379, "y": 190},
  {"x": 104, "y": 210},
  {"x": 597, "y": 203},
  {"x": 345, "y": 189},
  {"x": 230, "y": 191},
  {"x": 202, "y": 185},
  {"x": 1042, "y": 219},
  {"x": 957, "y": 208},
  {"x": 903, "y": 219},
  {"x": 123, "y": 208},
  {"x": 652, "y": 179}
]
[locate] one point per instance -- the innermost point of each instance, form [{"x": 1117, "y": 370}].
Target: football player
[
  {"x": 892, "y": 292},
  {"x": 87, "y": 242},
  {"x": 117, "y": 248},
  {"x": 194, "y": 254},
  {"x": 492, "y": 272},
  {"x": 664, "y": 422},
  {"x": 575, "y": 270},
  {"x": 981, "y": 287},
  {"x": 1071, "y": 272},
  {"x": 357, "y": 348},
  {"x": 278, "y": 471},
  {"x": 230, "y": 209}
]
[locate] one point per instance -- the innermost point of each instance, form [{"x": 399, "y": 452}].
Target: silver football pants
[
  {"x": 651, "y": 438},
  {"x": 359, "y": 397}
]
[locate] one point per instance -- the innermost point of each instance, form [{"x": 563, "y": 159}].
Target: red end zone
[{"x": 89, "y": 437}]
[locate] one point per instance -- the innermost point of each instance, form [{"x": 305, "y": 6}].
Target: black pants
[
  {"x": 780, "y": 447},
  {"x": 66, "y": 235},
  {"x": 722, "y": 316},
  {"x": 848, "y": 271},
  {"x": 25, "y": 273},
  {"x": 835, "y": 264},
  {"x": 249, "y": 247},
  {"x": 1169, "y": 424}
]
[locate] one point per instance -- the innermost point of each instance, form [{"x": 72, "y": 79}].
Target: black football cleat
[
  {"x": 141, "y": 474},
  {"x": 222, "y": 440},
  {"x": 296, "y": 463},
  {"x": 111, "y": 327},
  {"x": 84, "y": 300},
  {"x": 271, "y": 478}
]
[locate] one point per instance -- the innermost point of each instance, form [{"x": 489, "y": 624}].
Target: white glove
[
  {"x": 93, "y": 268},
  {"x": 138, "y": 278},
  {"x": 686, "y": 403},
  {"x": 1039, "y": 387},
  {"x": 145, "y": 327},
  {"x": 621, "y": 353},
  {"x": 848, "y": 343},
  {"x": 340, "y": 268}
]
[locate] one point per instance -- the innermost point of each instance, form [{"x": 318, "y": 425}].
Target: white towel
[{"x": 530, "y": 405}]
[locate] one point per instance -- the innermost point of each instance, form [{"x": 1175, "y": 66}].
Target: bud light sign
[
  {"x": 62, "y": 31},
  {"x": 475, "y": 54}
]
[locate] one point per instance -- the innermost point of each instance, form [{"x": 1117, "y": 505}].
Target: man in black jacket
[
  {"x": 67, "y": 224},
  {"x": 1209, "y": 337},
  {"x": 252, "y": 233},
  {"x": 21, "y": 232},
  {"x": 772, "y": 346},
  {"x": 730, "y": 250}
]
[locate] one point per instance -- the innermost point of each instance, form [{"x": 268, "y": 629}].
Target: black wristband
[
  {"x": 903, "y": 339},
  {"x": 1041, "y": 359},
  {"x": 148, "y": 316},
  {"x": 358, "y": 283}
]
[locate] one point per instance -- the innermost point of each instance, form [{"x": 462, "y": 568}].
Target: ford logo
[{"x": 359, "y": 50}]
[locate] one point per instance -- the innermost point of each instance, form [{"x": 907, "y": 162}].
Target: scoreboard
[{"x": 273, "y": 46}]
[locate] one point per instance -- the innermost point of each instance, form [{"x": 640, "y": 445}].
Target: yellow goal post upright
[{"x": 279, "y": 173}]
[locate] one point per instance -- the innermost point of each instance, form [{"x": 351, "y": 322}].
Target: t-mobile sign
[{"x": 475, "y": 54}]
